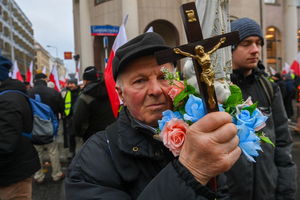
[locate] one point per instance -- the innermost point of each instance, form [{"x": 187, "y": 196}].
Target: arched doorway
[
  {"x": 166, "y": 29},
  {"x": 273, "y": 43}
]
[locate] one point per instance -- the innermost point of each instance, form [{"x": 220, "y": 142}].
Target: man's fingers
[
  {"x": 224, "y": 133},
  {"x": 233, "y": 156},
  {"x": 211, "y": 121}
]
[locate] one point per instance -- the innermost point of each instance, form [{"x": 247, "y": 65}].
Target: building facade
[
  {"x": 42, "y": 59},
  {"x": 16, "y": 35},
  {"x": 164, "y": 17}
]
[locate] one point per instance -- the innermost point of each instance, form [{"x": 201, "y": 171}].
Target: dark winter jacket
[
  {"x": 125, "y": 162},
  {"x": 48, "y": 96},
  {"x": 273, "y": 176},
  {"x": 18, "y": 158},
  {"x": 92, "y": 110}
]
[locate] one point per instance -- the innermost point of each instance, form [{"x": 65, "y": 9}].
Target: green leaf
[
  {"x": 251, "y": 108},
  {"x": 235, "y": 98},
  {"x": 266, "y": 140},
  {"x": 179, "y": 98}
]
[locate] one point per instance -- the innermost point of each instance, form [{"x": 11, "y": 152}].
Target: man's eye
[
  {"x": 246, "y": 43},
  {"x": 138, "y": 81}
]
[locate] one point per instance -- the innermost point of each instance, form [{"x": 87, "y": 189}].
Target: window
[
  {"x": 100, "y": 1},
  {"x": 273, "y": 47},
  {"x": 271, "y": 1},
  {"x": 298, "y": 3}
]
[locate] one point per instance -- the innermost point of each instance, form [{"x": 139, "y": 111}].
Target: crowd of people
[{"x": 121, "y": 158}]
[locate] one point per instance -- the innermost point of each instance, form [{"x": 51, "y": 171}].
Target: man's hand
[{"x": 210, "y": 147}]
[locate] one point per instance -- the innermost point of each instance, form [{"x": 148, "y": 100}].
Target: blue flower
[
  {"x": 167, "y": 116},
  {"x": 255, "y": 121},
  {"x": 194, "y": 109},
  {"x": 249, "y": 142},
  {"x": 221, "y": 107}
]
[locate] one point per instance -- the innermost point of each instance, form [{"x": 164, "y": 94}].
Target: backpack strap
[{"x": 268, "y": 88}]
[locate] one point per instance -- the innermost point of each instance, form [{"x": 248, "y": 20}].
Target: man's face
[
  {"x": 247, "y": 53},
  {"x": 144, "y": 90},
  {"x": 71, "y": 86}
]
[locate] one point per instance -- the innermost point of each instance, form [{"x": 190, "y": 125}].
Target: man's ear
[{"x": 120, "y": 93}]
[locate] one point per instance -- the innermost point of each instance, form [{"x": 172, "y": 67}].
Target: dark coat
[
  {"x": 273, "y": 176},
  {"x": 92, "y": 111},
  {"x": 18, "y": 158},
  {"x": 48, "y": 96},
  {"x": 125, "y": 162}
]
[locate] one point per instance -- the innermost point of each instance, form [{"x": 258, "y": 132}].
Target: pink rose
[
  {"x": 173, "y": 135},
  {"x": 175, "y": 89}
]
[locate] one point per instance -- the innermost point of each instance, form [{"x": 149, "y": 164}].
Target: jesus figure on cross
[{"x": 203, "y": 59}]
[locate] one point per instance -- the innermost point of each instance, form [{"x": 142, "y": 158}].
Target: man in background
[
  {"x": 18, "y": 157},
  {"x": 273, "y": 176},
  {"x": 53, "y": 99},
  {"x": 92, "y": 110}
]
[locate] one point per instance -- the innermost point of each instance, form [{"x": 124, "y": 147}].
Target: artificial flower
[
  {"x": 167, "y": 116},
  {"x": 249, "y": 142},
  {"x": 194, "y": 109},
  {"x": 175, "y": 89},
  {"x": 173, "y": 135},
  {"x": 189, "y": 108},
  {"x": 255, "y": 120}
]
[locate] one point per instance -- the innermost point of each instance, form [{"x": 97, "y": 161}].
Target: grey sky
[{"x": 52, "y": 22}]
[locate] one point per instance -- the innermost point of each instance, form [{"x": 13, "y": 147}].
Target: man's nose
[
  {"x": 154, "y": 87},
  {"x": 255, "y": 48}
]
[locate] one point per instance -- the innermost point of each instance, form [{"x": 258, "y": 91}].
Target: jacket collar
[{"x": 136, "y": 138}]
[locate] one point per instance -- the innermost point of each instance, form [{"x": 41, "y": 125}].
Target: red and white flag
[
  {"x": 54, "y": 78},
  {"x": 16, "y": 73},
  {"x": 286, "y": 68},
  {"x": 108, "y": 73},
  {"x": 29, "y": 74}
]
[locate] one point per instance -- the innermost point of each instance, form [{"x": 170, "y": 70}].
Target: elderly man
[{"x": 126, "y": 162}]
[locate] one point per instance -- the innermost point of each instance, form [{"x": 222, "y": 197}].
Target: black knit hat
[
  {"x": 143, "y": 45},
  {"x": 40, "y": 76},
  {"x": 247, "y": 27},
  {"x": 90, "y": 73}
]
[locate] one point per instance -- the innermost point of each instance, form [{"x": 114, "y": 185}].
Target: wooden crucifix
[{"x": 199, "y": 50}]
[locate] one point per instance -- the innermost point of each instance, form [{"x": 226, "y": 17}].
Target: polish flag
[
  {"x": 295, "y": 66},
  {"x": 16, "y": 73},
  {"x": 108, "y": 72},
  {"x": 29, "y": 74},
  {"x": 286, "y": 68},
  {"x": 62, "y": 81},
  {"x": 54, "y": 78}
]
